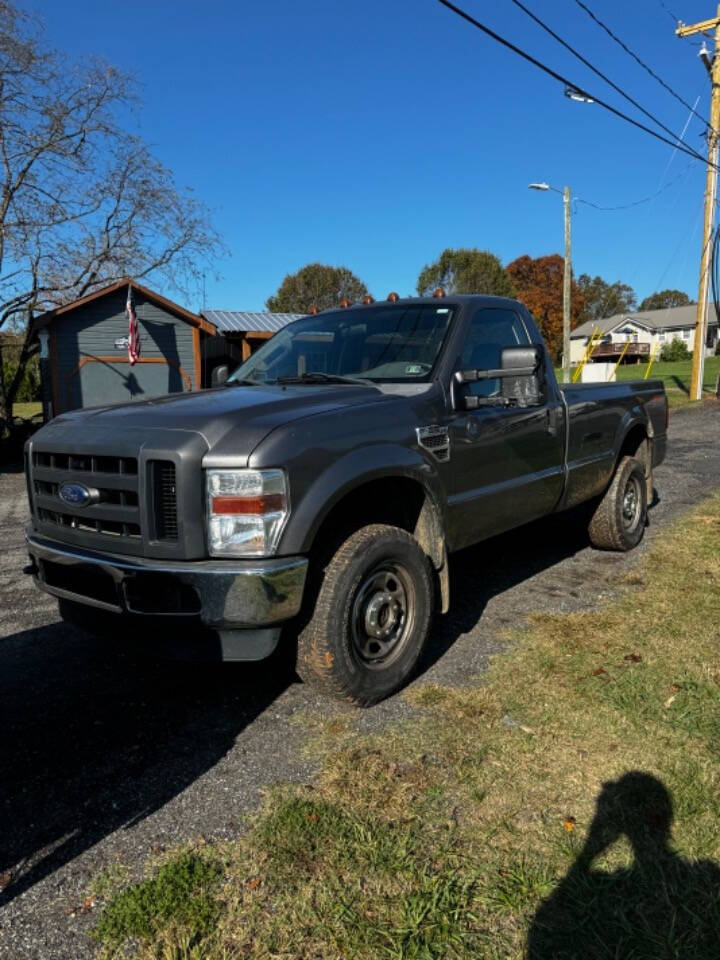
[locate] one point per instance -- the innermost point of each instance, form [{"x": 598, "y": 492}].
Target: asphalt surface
[{"x": 108, "y": 756}]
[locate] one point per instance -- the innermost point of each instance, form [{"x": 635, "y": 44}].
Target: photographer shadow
[{"x": 661, "y": 907}]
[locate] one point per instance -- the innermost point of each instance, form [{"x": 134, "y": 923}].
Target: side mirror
[
  {"x": 519, "y": 387},
  {"x": 521, "y": 375},
  {"x": 219, "y": 375}
]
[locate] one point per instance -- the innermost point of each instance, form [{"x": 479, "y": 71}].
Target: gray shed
[{"x": 88, "y": 364}]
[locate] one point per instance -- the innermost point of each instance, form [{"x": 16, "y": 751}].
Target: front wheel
[
  {"x": 371, "y": 618},
  {"x": 619, "y": 520}
]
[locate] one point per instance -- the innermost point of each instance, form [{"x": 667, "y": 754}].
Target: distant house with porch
[{"x": 642, "y": 333}]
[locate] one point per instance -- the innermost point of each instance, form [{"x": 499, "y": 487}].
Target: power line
[
  {"x": 668, "y": 11},
  {"x": 569, "y": 83},
  {"x": 636, "y": 58},
  {"x": 595, "y": 70},
  {"x": 637, "y": 203},
  {"x": 676, "y": 20}
]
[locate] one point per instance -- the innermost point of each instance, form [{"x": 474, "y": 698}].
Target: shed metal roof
[{"x": 239, "y": 321}]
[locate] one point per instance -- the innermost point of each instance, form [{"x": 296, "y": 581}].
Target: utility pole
[
  {"x": 698, "y": 365},
  {"x": 566, "y": 289}
]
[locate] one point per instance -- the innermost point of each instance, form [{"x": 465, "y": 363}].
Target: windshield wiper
[
  {"x": 317, "y": 377},
  {"x": 242, "y": 383}
]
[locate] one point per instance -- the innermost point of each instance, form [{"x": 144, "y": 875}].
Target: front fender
[{"x": 350, "y": 472}]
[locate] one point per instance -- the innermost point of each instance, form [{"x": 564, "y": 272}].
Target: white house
[{"x": 642, "y": 331}]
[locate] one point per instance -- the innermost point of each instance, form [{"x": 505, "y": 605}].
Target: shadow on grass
[
  {"x": 681, "y": 385},
  {"x": 661, "y": 907}
]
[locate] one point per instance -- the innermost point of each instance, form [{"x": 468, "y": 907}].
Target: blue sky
[{"x": 374, "y": 133}]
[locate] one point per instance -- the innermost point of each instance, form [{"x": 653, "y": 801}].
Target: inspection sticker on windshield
[
  {"x": 443, "y": 310},
  {"x": 413, "y": 368}
]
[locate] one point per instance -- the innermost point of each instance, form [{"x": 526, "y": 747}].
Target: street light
[
  {"x": 566, "y": 275},
  {"x": 572, "y": 93}
]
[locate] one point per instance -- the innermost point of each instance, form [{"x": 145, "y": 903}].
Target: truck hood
[{"x": 249, "y": 413}]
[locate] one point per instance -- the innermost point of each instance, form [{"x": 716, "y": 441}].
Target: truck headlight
[{"x": 246, "y": 511}]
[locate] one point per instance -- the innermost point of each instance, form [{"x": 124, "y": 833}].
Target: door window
[{"x": 491, "y": 329}]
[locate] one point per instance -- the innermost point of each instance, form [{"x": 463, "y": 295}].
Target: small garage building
[{"x": 86, "y": 357}]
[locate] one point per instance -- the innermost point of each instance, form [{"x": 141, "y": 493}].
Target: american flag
[{"x": 133, "y": 332}]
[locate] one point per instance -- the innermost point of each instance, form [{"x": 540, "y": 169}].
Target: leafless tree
[{"x": 82, "y": 201}]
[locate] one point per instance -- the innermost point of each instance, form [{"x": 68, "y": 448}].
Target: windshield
[{"x": 384, "y": 343}]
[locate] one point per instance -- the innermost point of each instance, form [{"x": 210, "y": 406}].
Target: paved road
[{"x": 108, "y": 756}]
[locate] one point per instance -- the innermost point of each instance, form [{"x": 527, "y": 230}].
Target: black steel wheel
[
  {"x": 382, "y": 615},
  {"x": 371, "y": 616},
  {"x": 620, "y": 518}
]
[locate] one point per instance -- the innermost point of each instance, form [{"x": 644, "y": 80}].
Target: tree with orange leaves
[{"x": 539, "y": 285}]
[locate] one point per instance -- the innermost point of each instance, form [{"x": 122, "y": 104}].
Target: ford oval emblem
[{"x": 75, "y": 494}]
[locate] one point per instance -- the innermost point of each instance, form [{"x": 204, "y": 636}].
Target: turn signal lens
[
  {"x": 248, "y": 505},
  {"x": 247, "y": 511}
]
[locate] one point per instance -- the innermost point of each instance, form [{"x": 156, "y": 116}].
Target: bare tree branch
[{"x": 82, "y": 201}]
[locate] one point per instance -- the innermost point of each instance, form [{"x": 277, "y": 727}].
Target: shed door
[{"x": 105, "y": 381}]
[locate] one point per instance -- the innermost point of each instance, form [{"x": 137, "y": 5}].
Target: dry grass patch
[{"x": 565, "y": 805}]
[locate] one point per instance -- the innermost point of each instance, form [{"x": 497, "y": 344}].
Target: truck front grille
[
  {"x": 165, "y": 499},
  {"x": 114, "y": 513}
]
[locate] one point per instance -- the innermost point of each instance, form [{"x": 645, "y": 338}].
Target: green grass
[
  {"x": 675, "y": 376},
  {"x": 178, "y": 896},
  {"x": 565, "y": 804}
]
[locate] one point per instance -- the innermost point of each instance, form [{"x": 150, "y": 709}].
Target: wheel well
[
  {"x": 397, "y": 501},
  {"x": 637, "y": 444}
]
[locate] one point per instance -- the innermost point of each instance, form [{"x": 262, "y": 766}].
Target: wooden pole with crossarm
[{"x": 698, "y": 363}]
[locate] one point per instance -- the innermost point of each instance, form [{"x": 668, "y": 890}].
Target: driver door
[{"x": 507, "y": 462}]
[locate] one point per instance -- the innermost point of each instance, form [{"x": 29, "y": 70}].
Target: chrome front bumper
[{"x": 222, "y": 594}]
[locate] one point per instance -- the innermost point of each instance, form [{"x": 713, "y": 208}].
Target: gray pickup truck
[{"x": 320, "y": 489}]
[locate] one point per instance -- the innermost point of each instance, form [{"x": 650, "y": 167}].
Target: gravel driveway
[{"x": 108, "y": 756}]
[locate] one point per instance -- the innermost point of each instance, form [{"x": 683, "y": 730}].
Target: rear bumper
[{"x": 224, "y": 595}]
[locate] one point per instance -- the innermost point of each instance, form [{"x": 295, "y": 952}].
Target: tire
[
  {"x": 371, "y": 617},
  {"x": 619, "y": 520}
]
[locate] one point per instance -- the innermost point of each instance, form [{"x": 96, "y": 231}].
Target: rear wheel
[
  {"x": 371, "y": 617},
  {"x": 619, "y": 520}
]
